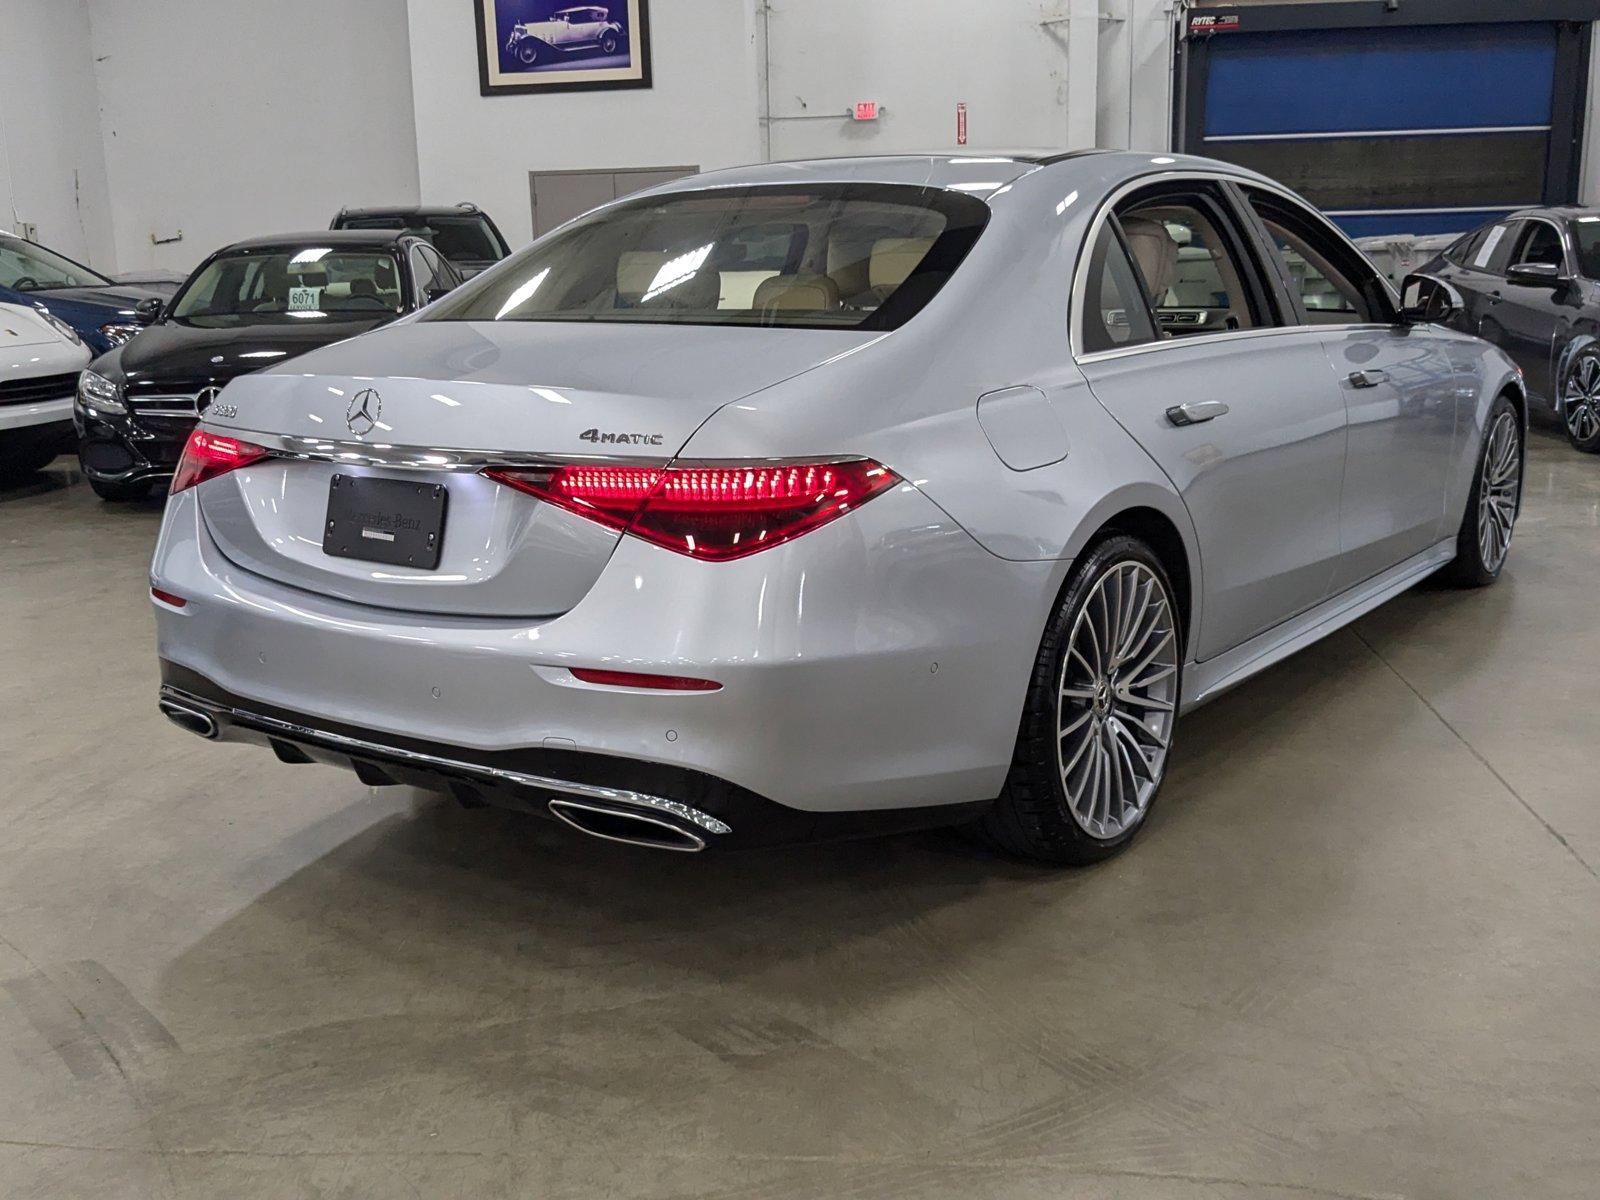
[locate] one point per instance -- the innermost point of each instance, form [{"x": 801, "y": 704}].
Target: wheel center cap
[{"x": 1102, "y": 697}]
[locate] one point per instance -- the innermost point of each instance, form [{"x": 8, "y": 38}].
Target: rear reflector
[
  {"x": 664, "y": 683},
  {"x": 168, "y": 598},
  {"x": 207, "y": 455},
  {"x": 716, "y": 512}
]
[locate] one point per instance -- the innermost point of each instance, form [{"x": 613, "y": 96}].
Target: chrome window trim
[
  {"x": 1237, "y": 335},
  {"x": 1080, "y": 279}
]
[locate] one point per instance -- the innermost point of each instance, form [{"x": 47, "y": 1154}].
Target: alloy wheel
[
  {"x": 1499, "y": 491},
  {"x": 1582, "y": 401},
  {"x": 1118, "y": 701}
]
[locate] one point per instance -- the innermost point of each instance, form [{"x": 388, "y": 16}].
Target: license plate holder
[{"x": 392, "y": 521}]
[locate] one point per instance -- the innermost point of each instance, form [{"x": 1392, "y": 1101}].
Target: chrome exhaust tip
[
  {"x": 625, "y": 825},
  {"x": 193, "y": 719}
]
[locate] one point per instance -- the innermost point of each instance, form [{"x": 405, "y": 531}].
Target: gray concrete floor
[{"x": 1354, "y": 955}]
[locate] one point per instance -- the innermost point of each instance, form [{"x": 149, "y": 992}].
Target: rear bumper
[
  {"x": 696, "y": 811},
  {"x": 877, "y": 664}
]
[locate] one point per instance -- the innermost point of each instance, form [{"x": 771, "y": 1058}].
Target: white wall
[
  {"x": 1025, "y": 70},
  {"x": 701, "y": 109},
  {"x": 52, "y": 170},
  {"x": 1137, "y": 39},
  {"x": 231, "y": 118}
]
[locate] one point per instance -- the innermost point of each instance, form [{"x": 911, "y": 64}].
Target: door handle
[
  {"x": 1196, "y": 414},
  {"x": 1370, "y": 378}
]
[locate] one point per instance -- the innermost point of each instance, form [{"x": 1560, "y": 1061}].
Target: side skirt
[{"x": 1208, "y": 680}]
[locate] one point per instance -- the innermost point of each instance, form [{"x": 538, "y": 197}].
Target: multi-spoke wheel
[
  {"x": 1119, "y": 688},
  {"x": 1092, "y": 750},
  {"x": 1496, "y": 499},
  {"x": 1580, "y": 401}
]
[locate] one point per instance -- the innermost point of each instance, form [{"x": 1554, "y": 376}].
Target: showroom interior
[{"x": 399, "y": 921}]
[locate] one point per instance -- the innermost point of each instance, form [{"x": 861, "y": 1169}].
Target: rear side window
[
  {"x": 1335, "y": 282},
  {"x": 1114, "y": 311},
  {"x": 825, "y": 256},
  {"x": 1196, "y": 279}
]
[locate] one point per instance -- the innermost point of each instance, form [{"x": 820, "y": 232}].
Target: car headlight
[
  {"x": 61, "y": 327},
  {"x": 117, "y": 332},
  {"x": 97, "y": 392}
]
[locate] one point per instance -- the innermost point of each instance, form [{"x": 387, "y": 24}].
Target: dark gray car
[{"x": 1531, "y": 285}]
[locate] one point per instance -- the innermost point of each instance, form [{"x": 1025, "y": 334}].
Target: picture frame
[{"x": 562, "y": 45}]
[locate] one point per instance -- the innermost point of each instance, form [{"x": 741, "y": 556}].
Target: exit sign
[{"x": 866, "y": 110}]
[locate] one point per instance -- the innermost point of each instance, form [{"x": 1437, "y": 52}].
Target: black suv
[{"x": 463, "y": 233}]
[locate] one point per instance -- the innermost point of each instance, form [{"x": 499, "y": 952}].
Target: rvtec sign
[{"x": 1214, "y": 24}]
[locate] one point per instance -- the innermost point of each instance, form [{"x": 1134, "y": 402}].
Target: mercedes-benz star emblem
[
  {"x": 366, "y": 406},
  {"x": 204, "y": 397}
]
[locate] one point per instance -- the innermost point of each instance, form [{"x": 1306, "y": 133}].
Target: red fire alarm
[{"x": 866, "y": 110}]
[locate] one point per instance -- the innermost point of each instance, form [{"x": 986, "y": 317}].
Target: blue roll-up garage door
[{"x": 1423, "y": 129}]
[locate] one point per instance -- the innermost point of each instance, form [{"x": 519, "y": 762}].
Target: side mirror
[
  {"x": 436, "y": 290},
  {"x": 1425, "y": 300},
  {"x": 148, "y": 311},
  {"x": 1545, "y": 275}
]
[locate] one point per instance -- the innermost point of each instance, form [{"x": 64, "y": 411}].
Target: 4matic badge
[{"x": 625, "y": 439}]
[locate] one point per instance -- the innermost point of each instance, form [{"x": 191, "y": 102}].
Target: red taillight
[
  {"x": 207, "y": 455},
  {"x": 168, "y": 598},
  {"x": 716, "y": 513},
  {"x": 664, "y": 683}
]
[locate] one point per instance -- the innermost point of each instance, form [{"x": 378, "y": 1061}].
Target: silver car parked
[{"x": 808, "y": 499}]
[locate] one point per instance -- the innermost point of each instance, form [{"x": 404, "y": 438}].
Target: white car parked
[
  {"x": 586, "y": 28},
  {"x": 40, "y": 358}
]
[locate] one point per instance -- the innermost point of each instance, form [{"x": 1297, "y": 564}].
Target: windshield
[
  {"x": 828, "y": 256},
  {"x": 464, "y": 238},
  {"x": 1586, "y": 233},
  {"x": 31, "y": 268},
  {"x": 257, "y": 285}
]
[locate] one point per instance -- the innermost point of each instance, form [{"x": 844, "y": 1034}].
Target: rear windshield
[
  {"x": 316, "y": 281},
  {"x": 830, "y": 256},
  {"x": 464, "y": 238}
]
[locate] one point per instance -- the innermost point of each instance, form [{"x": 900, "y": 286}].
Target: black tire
[
  {"x": 18, "y": 462},
  {"x": 1472, "y": 568},
  {"x": 1580, "y": 394},
  {"x": 608, "y": 43},
  {"x": 1033, "y": 817},
  {"x": 530, "y": 51},
  {"x": 119, "y": 492}
]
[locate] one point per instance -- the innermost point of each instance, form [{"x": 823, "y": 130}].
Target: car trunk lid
[{"x": 454, "y": 397}]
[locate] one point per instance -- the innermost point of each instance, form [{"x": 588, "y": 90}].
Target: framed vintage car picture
[{"x": 562, "y": 45}]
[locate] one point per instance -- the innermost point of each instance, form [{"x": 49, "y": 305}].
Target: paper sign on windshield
[
  {"x": 303, "y": 299},
  {"x": 1484, "y": 255}
]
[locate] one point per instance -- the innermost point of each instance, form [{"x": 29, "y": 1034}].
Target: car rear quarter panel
[{"x": 909, "y": 399}]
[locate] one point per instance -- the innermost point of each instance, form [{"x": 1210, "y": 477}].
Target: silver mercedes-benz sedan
[{"x": 810, "y": 499}]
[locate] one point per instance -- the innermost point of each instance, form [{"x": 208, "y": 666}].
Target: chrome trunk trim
[{"x": 421, "y": 458}]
